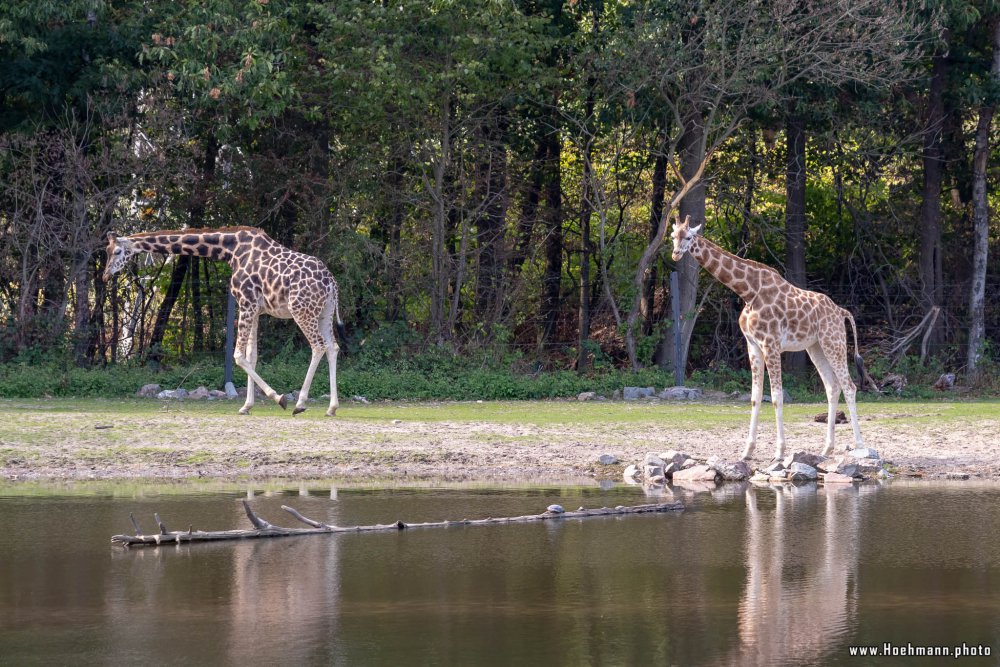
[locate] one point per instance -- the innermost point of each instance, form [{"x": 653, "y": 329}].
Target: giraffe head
[
  {"x": 120, "y": 251},
  {"x": 683, "y": 237}
]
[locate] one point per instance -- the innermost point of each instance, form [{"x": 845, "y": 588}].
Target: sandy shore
[{"x": 172, "y": 445}]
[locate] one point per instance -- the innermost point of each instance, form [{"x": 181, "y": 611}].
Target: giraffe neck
[
  {"x": 743, "y": 276},
  {"x": 227, "y": 244}
]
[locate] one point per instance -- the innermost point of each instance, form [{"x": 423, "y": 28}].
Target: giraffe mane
[
  {"x": 751, "y": 262},
  {"x": 199, "y": 230}
]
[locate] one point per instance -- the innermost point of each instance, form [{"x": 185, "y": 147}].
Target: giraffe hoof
[
  {"x": 332, "y": 412},
  {"x": 297, "y": 410},
  {"x": 244, "y": 411},
  {"x": 283, "y": 402}
]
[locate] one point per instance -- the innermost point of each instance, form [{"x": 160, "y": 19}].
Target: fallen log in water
[{"x": 264, "y": 529}]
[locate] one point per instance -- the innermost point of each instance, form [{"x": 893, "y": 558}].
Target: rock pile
[
  {"x": 674, "y": 466},
  {"x": 200, "y": 393}
]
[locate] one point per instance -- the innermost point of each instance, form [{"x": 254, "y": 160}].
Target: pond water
[{"x": 745, "y": 576}]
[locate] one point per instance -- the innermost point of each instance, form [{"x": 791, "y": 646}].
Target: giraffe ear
[
  {"x": 694, "y": 230},
  {"x": 112, "y": 236}
]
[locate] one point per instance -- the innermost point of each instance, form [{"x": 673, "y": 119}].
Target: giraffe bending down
[
  {"x": 780, "y": 317},
  {"x": 267, "y": 278}
]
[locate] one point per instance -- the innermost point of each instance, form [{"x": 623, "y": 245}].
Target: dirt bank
[{"x": 100, "y": 444}]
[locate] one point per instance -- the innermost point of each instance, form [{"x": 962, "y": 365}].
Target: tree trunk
[
  {"x": 586, "y": 250},
  {"x": 439, "y": 244},
  {"x": 691, "y": 151},
  {"x": 552, "y": 278},
  {"x": 655, "y": 213},
  {"x": 196, "y": 215},
  {"x": 492, "y": 184},
  {"x": 392, "y": 237},
  {"x": 795, "y": 216},
  {"x": 981, "y": 222},
  {"x": 931, "y": 283}
]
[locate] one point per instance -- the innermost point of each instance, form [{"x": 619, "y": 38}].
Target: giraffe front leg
[
  {"x": 331, "y": 354},
  {"x": 245, "y": 356},
  {"x": 756, "y": 396},
  {"x": 772, "y": 359}
]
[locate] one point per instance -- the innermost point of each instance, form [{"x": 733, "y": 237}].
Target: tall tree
[{"x": 980, "y": 208}]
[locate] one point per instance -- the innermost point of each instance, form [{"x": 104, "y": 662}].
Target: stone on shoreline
[
  {"x": 635, "y": 393},
  {"x": 149, "y": 391},
  {"x": 696, "y": 473},
  {"x": 837, "y": 478}
]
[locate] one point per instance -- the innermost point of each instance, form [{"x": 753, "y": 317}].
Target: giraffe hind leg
[
  {"x": 832, "y": 387},
  {"x": 315, "y": 330},
  {"x": 837, "y": 354}
]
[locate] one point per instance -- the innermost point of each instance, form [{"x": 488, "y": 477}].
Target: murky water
[{"x": 746, "y": 576}]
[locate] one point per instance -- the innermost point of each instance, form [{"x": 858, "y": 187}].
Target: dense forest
[{"x": 502, "y": 175}]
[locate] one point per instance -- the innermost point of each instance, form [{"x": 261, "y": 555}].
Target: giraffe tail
[
  {"x": 341, "y": 331},
  {"x": 859, "y": 362}
]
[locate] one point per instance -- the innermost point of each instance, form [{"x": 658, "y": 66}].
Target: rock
[
  {"x": 863, "y": 453},
  {"x": 586, "y": 396},
  {"x": 555, "y": 509},
  {"x": 957, "y": 475},
  {"x": 231, "y": 390},
  {"x": 799, "y": 471},
  {"x": 216, "y": 393},
  {"x": 680, "y": 393},
  {"x": 652, "y": 471},
  {"x": 635, "y": 393},
  {"x": 812, "y": 460},
  {"x": 616, "y": 395},
  {"x": 777, "y": 466},
  {"x": 688, "y": 463},
  {"x": 777, "y": 476},
  {"x": 837, "y": 478},
  {"x": 360, "y": 399},
  {"x": 841, "y": 418},
  {"x": 653, "y": 459},
  {"x": 946, "y": 381},
  {"x": 630, "y": 472},
  {"x": 696, "y": 473},
  {"x": 760, "y": 477},
  {"x": 732, "y": 471},
  {"x": 172, "y": 393},
  {"x": 657, "y": 479},
  {"x": 896, "y": 381},
  {"x": 199, "y": 393},
  {"x": 603, "y": 459},
  {"x": 865, "y": 467},
  {"x": 675, "y": 457},
  {"x": 149, "y": 391},
  {"x": 842, "y": 465},
  {"x": 766, "y": 398}
]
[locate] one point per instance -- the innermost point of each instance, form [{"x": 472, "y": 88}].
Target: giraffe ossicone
[
  {"x": 780, "y": 317},
  {"x": 267, "y": 278}
]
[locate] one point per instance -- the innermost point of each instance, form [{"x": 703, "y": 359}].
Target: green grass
[{"x": 536, "y": 413}]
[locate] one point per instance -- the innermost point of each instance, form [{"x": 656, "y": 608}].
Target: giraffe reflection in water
[{"x": 801, "y": 595}]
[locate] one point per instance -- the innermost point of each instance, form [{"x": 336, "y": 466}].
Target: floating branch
[{"x": 264, "y": 529}]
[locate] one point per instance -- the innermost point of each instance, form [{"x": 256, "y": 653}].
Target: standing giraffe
[
  {"x": 267, "y": 278},
  {"x": 778, "y": 317}
]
